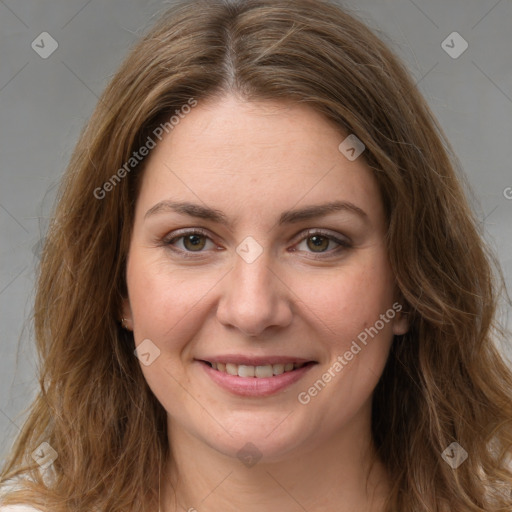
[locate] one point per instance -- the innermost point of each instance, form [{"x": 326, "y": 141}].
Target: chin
[{"x": 250, "y": 441}]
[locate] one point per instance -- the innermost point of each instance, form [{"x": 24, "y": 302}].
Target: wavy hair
[{"x": 445, "y": 380}]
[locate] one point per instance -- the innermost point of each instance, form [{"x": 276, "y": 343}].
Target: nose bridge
[
  {"x": 253, "y": 298},
  {"x": 253, "y": 273}
]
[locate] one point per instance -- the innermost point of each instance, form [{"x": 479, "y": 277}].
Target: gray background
[{"x": 45, "y": 102}]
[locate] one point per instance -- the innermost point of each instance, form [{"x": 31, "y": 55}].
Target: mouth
[
  {"x": 255, "y": 376},
  {"x": 263, "y": 371}
]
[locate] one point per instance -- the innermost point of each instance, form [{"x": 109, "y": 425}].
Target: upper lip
[{"x": 254, "y": 360}]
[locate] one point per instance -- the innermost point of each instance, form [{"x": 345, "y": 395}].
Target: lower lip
[{"x": 254, "y": 386}]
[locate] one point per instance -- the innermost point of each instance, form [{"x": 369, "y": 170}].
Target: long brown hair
[{"x": 444, "y": 382}]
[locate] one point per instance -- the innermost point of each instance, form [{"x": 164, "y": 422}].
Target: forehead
[{"x": 257, "y": 156}]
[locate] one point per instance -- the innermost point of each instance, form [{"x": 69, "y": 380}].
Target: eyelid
[
  {"x": 186, "y": 231},
  {"x": 342, "y": 240},
  {"x": 180, "y": 233},
  {"x": 337, "y": 237}
]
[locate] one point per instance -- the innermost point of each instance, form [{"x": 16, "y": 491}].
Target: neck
[{"x": 335, "y": 474}]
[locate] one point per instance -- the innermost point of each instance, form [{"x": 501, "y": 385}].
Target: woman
[{"x": 263, "y": 287}]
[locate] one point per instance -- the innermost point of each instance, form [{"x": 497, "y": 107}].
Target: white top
[
  {"x": 18, "y": 508},
  {"x": 4, "y": 491}
]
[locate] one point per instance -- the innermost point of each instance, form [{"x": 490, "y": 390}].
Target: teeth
[
  {"x": 246, "y": 371},
  {"x": 265, "y": 371},
  {"x": 278, "y": 369},
  {"x": 232, "y": 369}
]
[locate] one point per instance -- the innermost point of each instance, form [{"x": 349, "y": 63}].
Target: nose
[{"x": 254, "y": 297}]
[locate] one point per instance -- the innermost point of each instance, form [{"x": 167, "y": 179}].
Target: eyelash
[{"x": 343, "y": 244}]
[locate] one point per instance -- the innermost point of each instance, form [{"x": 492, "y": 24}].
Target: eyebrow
[{"x": 286, "y": 217}]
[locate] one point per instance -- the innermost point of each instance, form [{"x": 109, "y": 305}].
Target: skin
[{"x": 253, "y": 160}]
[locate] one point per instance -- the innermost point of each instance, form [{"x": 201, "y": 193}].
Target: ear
[
  {"x": 127, "y": 315},
  {"x": 401, "y": 320}
]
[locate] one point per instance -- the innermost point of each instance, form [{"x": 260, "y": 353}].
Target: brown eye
[
  {"x": 190, "y": 242},
  {"x": 318, "y": 243},
  {"x": 194, "y": 242}
]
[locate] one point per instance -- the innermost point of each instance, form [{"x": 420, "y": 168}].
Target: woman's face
[{"x": 234, "y": 259}]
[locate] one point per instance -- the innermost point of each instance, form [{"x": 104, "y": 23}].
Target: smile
[
  {"x": 258, "y": 372},
  {"x": 258, "y": 380}
]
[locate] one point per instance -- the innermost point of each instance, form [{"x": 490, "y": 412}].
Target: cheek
[
  {"x": 161, "y": 298},
  {"x": 350, "y": 299},
  {"x": 162, "y": 303},
  {"x": 356, "y": 348},
  {"x": 161, "y": 295},
  {"x": 365, "y": 326}
]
